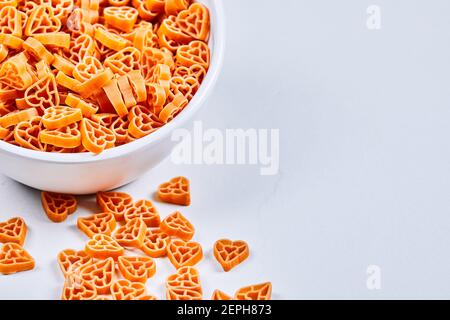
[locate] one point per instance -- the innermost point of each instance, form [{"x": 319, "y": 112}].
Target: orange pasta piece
[
  {"x": 115, "y": 97},
  {"x": 67, "y": 82},
  {"x": 13, "y": 118},
  {"x": 115, "y": 202},
  {"x": 155, "y": 5},
  {"x": 55, "y": 39},
  {"x": 194, "y": 21},
  {"x": 14, "y": 258},
  {"x": 87, "y": 68},
  {"x": 261, "y": 291},
  {"x": 26, "y": 134},
  {"x": 122, "y": 18},
  {"x": 110, "y": 40},
  {"x": 87, "y": 108},
  {"x": 176, "y": 225},
  {"x": 126, "y": 91},
  {"x": 103, "y": 223},
  {"x": 11, "y": 41},
  {"x": 142, "y": 122},
  {"x": 42, "y": 20},
  {"x": 230, "y": 253},
  {"x": 187, "y": 86},
  {"x": 136, "y": 269},
  {"x": 13, "y": 230},
  {"x": 99, "y": 274},
  {"x": 131, "y": 234},
  {"x": 120, "y": 129},
  {"x": 184, "y": 285},
  {"x": 137, "y": 83},
  {"x": 60, "y": 116},
  {"x": 76, "y": 288},
  {"x": 173, "y": 108},
  {"x": 124, "y": 61},
  {"x": 89, "y": 87},
  {"x": 220, "y": 295},
  {"x": 170, "y": 28},
  {"x": 102, "y": 246},
  {"x": 3, "y": 133},
  {"x": 90, "y": 10},
  {"x": 58, "y": 206},
  {"x": 196, "y": 52},
  {"x": 143, "y": 209},
  {"x": 127, "y": 290},
  {"x": 182, "y": 253},
  {"x": 14, "y": 72},
  {"x": 156, "y": 98},
  {"x": 176, "y": 191},
  {"x": 155, "y": 243},
  {"x": 144, "y": 12},
  {"x": 65, "y": 137},
  {"x": 105, "y": 119},
  {"x": 80, "y": 47},
  {"x": 96, "y": 137},
  {"x": 70, "y": 260},
  {"x": 150, "y": 58},
  {"x": 43, "y": 94},
  {"x": 173, "y": 7},
  {"x": 62, "y": 9},
  {"x": 3, "y": 52},
  {"x": 10, "y": 21},
  {"x": 62, "y": 64},
  {"x": 196, "y": 71},
  {"x": 38, "y": 50},
  {"x": 42, "y": 69}
]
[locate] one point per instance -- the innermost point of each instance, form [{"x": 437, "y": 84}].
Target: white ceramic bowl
[{"x": 86, "y": 173}]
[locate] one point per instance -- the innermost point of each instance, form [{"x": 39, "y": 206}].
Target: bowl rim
[{"x": 217, "y": 53}]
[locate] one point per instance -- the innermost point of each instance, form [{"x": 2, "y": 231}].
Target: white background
[{"x": 364, "y": 175}]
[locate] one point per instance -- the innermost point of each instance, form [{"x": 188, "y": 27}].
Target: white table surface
[{"x": 364, "y": 160}]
